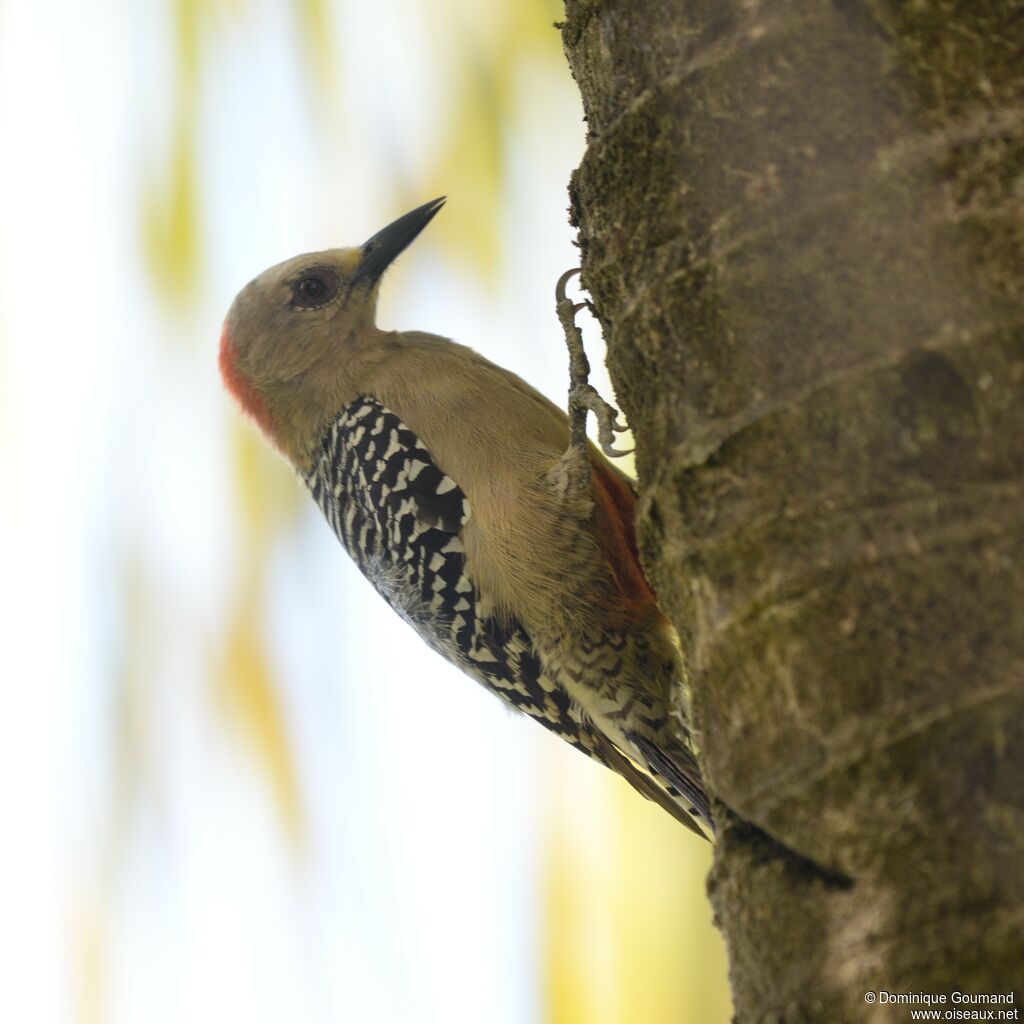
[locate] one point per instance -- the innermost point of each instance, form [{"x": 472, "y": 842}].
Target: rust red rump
[
  {"x": 241, "y": 387},
  {"x": 614, "y": 508}
]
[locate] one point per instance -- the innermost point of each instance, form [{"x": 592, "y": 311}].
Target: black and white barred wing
[{"x": 401, "y": 518}]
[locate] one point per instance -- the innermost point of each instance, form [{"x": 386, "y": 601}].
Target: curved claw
[
  {"x": 563, "y": 281},
  {"x": 585, "y": 398}
]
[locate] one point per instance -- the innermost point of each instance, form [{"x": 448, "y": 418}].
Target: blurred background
[{"x": 235, "y": 786}]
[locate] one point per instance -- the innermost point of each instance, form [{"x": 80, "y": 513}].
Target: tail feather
[
  {"x": 680, "y": 773},
  {"x": 681, "y": 806}
]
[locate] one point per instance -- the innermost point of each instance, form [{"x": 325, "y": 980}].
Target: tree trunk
[{"x": 802, "y": 226}]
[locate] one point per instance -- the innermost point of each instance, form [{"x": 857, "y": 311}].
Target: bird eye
[{"x": 316, "y": 287}]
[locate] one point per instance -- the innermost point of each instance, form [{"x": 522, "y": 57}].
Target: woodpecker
[{"x": 502, "y": 536}]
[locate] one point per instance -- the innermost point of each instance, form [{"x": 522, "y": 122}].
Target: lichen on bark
[{"x": 802, "y": 226}]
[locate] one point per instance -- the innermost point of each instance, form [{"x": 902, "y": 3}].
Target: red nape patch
[
  {"x": 248, "y": 397},
  {"x": 615, "y": 507}
]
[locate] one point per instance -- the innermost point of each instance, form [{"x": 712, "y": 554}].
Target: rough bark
[{"x": 802, "y": 226}]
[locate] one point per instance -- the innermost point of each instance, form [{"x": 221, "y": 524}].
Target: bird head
[{"x": 292, "y": 334}]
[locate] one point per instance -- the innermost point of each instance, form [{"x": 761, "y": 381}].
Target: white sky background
[{"x": 413, "y": 898}]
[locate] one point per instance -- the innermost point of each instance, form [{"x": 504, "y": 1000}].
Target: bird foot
[{"x": 584, "y": 397}]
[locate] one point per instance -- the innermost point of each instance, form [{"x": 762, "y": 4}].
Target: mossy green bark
[{"x": 802, "y": 225}]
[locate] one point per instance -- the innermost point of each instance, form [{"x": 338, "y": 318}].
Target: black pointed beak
[{"x": 380, "y": 251}]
